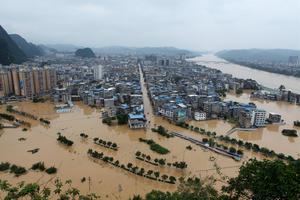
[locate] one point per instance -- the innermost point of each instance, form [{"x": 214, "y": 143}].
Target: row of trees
[
  {"x": 14, "y": 169},
  {"x": 12, "y": 118},
  {"x": 41, "y": 167},
  {"x": 24, "y": 123},
  {"x": 247, "y": 145},
  {"x": 154, "y": 175},
  {"x": 211, "y": 142},
  {"x": 18, "y": 170},
  {"x": 162, "y": 131},
  {"x": 107, "y": 144},
  {"x": 154, "y": 146},
  {"x": 147, "y": 158},
  {"x": 64, "y": 140},
  {"x": 7, "y": 117},
  {"x": 255, "y": 148},
  {"x": 10, "y": 109},
  {"x": 45, "y": 121}
]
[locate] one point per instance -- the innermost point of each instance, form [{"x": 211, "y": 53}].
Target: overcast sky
[{"x": 191, "y": 24}]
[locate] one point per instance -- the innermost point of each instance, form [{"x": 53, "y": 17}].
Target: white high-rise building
[
  {"x": 98, "y": 72},
  {"x": 258, "y": 117}
]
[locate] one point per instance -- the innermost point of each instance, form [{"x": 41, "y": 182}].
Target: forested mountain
[
  {"x": 85, "y": 53},
  {"x": 9, "y": 50},
  {"x": 28, "y": 48}
]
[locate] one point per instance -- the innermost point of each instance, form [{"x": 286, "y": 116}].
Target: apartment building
[{"x": 27, "y": 82}]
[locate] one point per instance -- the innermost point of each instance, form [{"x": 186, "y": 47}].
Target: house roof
[{"x": 136, "y": 116}]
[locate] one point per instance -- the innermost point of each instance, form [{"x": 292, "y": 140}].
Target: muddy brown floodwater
[{"x": 114, "y": 183}]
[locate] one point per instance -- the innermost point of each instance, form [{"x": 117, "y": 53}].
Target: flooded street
[
  {"x": 106, "y": 180},
  {"x": 114, "y": 183},
  {"x": 270, "y": 136}
]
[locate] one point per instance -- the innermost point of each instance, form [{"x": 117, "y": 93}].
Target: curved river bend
[{"x": 271, "y": 80}]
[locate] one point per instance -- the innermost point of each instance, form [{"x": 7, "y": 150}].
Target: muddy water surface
[{"x": 113, "y": 183}]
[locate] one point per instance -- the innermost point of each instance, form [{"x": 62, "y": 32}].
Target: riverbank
[{"x": 268, "y": 79}]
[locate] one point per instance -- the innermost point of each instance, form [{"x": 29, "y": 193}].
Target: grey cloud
[{"x": 193, "y": 24}]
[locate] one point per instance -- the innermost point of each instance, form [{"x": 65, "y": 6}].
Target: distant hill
[
  {"x": 258, "y": 55},
  {"x": 28, "y": 48},
  {"x": 85, "y": 53},
  {"x": 9, "y": 50},
  {"x": 122, "y": 50},
  {"x": 63, "y": 47},
  {"x": 47, "y": 50},
  {"x": 119, "y": 50}
]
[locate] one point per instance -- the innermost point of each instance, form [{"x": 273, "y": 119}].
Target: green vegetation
[
  {"x": 239, "y": 91},
  {"x": 289, "y": 132},
  {"x": 33, "y": 191},
  {"x": 9, "y": 50},
  {"x": 133, "y": 169},
  {"x": 297, "y": 123},
  {"x": 106, "y": 144},
  {"x": 85, "y": 53},
  {"x": 51, "y": 170},
  {"x": 122, "y": 119},
  {"x": 232, "y": 141},
  {"x": 267, "y": 179},
  {"x": 24, "y": 123},
  {"x": 4, "y": 166},
  {"x": 64, "y": 140},
  {"x": 17, "y": 170},
  {"x": 38, "y": 100},
  {"x": 38, "y": 166},
  {"x": 10, "y": 109},
  {"x": 190, "y": 189},
  {"x": 222, "y": 92},
  {"x": 162, "y": 131},
  {"x": 45, "y": 121},
  {"x": 154, "y": 146},
  {"x": 83, "y": 135},
  {"x": 107, "y": 121},
  {"x": 7, "y": 117},
  {"x": 189, "y": 147},
  {"x": 161, "y": 161}
]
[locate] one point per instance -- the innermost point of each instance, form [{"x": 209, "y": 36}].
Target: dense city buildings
[{"x": 27, "y": 81}]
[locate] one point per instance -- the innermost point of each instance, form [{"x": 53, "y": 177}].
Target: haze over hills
[
  {"x": 281, "y": 61},
  {"x": 9, "y": 50},
  {"x": 28, "y": 48},
  {"x": 15, "y": 49},
  {"x": 143, "y": 50},
  {"x": 258, "y": 55},
  {"x": 123, "y": 50}
]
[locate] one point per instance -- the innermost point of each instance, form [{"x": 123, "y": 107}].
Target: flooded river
[
  {"x": 267, "y": 79},
  {"x": 114, "y": 183}
]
